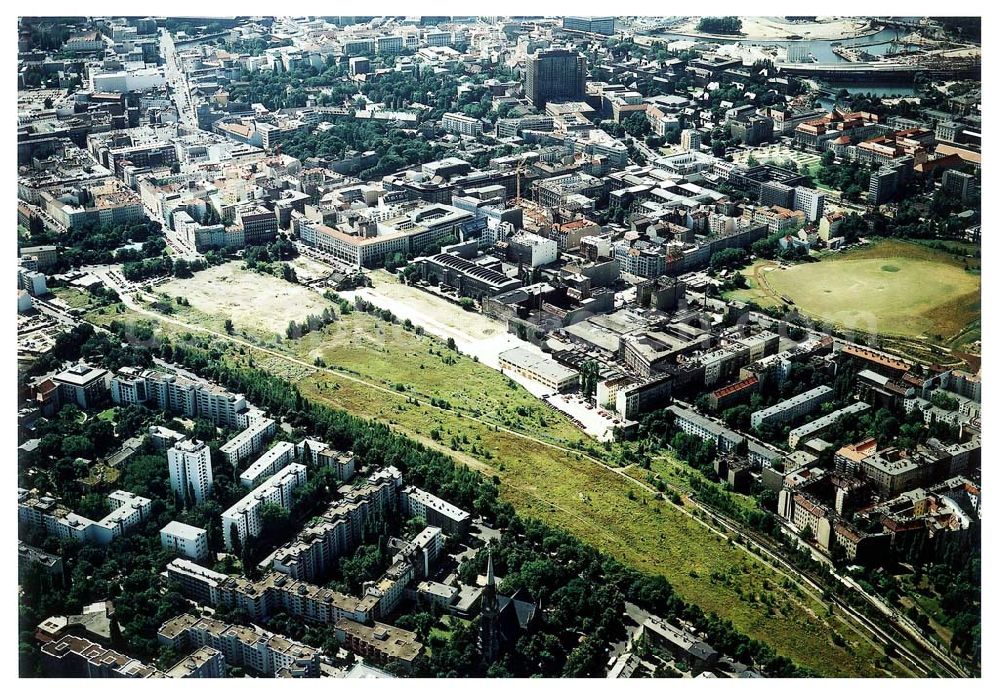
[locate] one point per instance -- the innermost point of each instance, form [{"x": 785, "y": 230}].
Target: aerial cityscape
[{"x": 505, "y": 347}]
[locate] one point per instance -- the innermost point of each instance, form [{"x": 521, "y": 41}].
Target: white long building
[
  {"x": 244, "y": 517},
  {"x": 265, "y": 653},
  {"x": 180, "y": 395},
  {"x": 250, "y": 441},
  {"x": 280, "y": 455},
  {"x": 127, "y": 511}
]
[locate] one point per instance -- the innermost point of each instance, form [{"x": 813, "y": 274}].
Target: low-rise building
[
  {"x": 184, "y": 540},
  {"x": 540, "y": 368}
]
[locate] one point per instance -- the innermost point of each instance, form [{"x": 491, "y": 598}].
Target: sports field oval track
[{"x": 894, "y": 288}]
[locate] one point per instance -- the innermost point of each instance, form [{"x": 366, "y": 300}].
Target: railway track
[{"x": 931, "y": 664}]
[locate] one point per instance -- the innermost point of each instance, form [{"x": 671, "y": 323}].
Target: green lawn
[
  {"x": 891, "y": 287},
  {"x": 561, "y": 488},
  {"x": 73, "y": 297}
]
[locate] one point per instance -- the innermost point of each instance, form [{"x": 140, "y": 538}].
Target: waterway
[
  {"x": 879, "y": 89},
  {"x": 877, "y": 44}
]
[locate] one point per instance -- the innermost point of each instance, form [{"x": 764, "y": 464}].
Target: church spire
[{"x": 489, "y": 616}]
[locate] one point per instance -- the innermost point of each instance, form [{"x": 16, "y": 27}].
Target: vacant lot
[
  {"x": 249, "y": 299},
  {"x": 889, "y": 288},
  {"x": 558, "y": 486}
]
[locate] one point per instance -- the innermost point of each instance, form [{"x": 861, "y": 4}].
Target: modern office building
[
  {"x": 540, "y": 368},
  {"x": 810, "y": 202},
  {"x": 83, "y": 385},
  {"x": 555, "y": 75},
  {"x": 591, "y": 25}
]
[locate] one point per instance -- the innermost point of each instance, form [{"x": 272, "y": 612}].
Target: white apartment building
[
  {"x": 461, "y": 124},
  {"x": 190, "y": 464},
  {"x": 267, "y": 464},
  {"x": 184, "y": 540},
  {"x": 128, "y": 510},
  {"x": 249, "y": 441},
  {"x": 245, "y": 514},
  {"x": 794, "y": 407},
  {"x": 165, "y": 391},
  {"x": 434, "y": 511},
  {"x": 810, "y": 202},
  {"x": 691, "y": 139},
  {"x": 263, "y": 652}
]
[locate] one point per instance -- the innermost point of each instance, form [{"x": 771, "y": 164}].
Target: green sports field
[{"x": 891, "y": 287}]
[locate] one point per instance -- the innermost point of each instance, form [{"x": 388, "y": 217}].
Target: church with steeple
[{"x": 502, "y": 618}]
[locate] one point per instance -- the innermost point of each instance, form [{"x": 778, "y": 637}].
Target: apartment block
[
  {"x": 177, "y": 394},
  {"x": 794, "y": 407},
  {"x": 821, "y": 425},
  {"x": 184, "y": 540},
  {"x": 461, "y": 124},
  {"x": 273, "y": 593},
  {"x": 263, "y": 653},
  {"x": 127, "y": 511},
  {"x": 73, "y": 657},
  {"x": 245, "y": 514},
  {"x": 434, "y": 511},
  {"x": 249, "y": 441},
  {"x": 190, "y": 465},
  {"x": 314, "y": 551},
  {"x": 280, "y": 455}
]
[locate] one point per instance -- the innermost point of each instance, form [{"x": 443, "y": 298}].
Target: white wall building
[
  {"x": 190, "y": 464},
  {"x": 185, "y": 540},
  {"x": 249, "y": 441},
  {"x": 245, "y": 514},
  {"x": 267, "y": 464}
]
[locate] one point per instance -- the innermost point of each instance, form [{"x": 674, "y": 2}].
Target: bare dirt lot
[{"x": 250, "y": 299}]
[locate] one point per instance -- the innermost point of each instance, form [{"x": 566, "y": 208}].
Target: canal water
[{"x": 876, "y": 44}]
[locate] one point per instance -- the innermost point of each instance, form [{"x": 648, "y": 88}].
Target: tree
[
  {"x": 589, "y": 375},
  {"x": 228, "y": 324},
  {"x": 235, "y": 543}
]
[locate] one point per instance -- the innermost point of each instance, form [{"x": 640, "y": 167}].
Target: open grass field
[
  {"x": 250, "y": 299},
  {"x": 561, "y": 487},
  {"x": 891, "y": 287}
]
